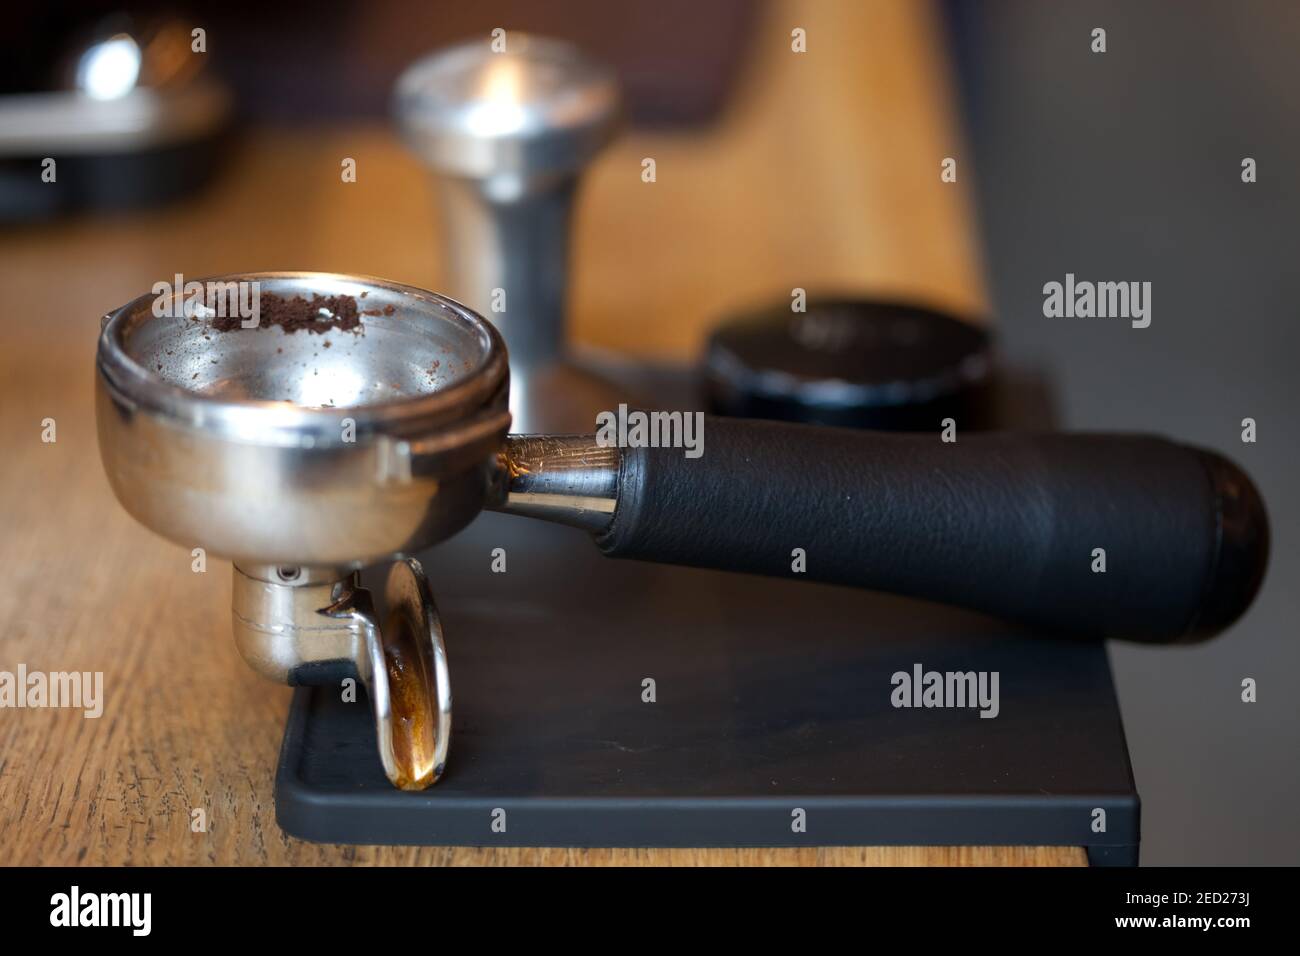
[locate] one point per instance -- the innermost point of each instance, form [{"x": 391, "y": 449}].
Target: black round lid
[{"x": 844, "y": 361}]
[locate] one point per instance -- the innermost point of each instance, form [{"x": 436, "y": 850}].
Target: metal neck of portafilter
[{"x": 567, "y": 479}]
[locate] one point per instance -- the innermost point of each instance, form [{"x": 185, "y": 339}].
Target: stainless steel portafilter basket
[
  {"x": 316, "y": 448},
  {"x": 372, "y": 423}
]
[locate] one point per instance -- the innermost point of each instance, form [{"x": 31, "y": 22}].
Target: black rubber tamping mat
[{"x": 773, "y": 703}]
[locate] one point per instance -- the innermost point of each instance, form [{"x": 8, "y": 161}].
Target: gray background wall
[{"x": 1127, "y": 166}]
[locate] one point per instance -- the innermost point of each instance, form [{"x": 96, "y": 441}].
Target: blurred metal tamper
[{"x": 508, "y": 134}]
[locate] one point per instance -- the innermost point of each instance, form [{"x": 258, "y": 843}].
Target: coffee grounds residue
[{"x": 322, "y": 313}]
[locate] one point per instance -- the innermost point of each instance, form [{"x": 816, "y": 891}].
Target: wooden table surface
[{"x": 792, "y": 189}]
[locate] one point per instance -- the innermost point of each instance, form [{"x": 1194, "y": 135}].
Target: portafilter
[{"x": 377, "y": 426}]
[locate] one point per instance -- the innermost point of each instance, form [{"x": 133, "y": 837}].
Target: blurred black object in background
[
  {"x": 116, "y": 110},
  {"x": 853, "y": 363}
]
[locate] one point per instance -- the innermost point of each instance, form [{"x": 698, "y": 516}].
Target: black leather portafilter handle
[{"x": 1009, "y": 524}]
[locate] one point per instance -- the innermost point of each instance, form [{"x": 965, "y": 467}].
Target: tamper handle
[
  {"x": 508, "y": 125},
  {"x": 1099, "y": 535}
]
